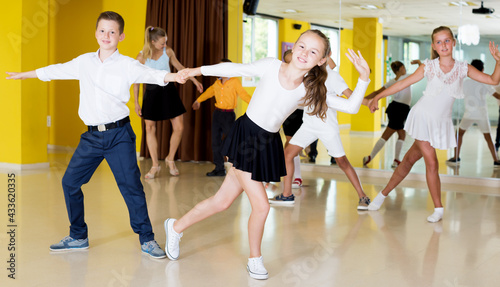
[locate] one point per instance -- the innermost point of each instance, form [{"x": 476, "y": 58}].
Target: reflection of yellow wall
[{"x": 24, "y": 30}]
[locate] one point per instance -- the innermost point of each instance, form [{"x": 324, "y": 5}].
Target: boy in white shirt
[{"x": 105, "y": 78}]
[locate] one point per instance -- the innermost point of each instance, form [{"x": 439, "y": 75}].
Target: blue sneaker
[
  {"x": 153, "y": 249},
  {"x": 69, "y": 243},
  {"x": 282, "y": 200}
]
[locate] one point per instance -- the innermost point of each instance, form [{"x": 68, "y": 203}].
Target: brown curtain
[{"x": 197, "y": 32}]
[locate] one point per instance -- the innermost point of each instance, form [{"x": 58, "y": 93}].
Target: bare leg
[
  {"x": 431, "y": 171},
  {"x": 151, "y": 141},
  {"x": 491, "y": 146},
  {"x": 260, "y": 209},
  {"x": 404, "y": 168},
  {"x": 152, "y": 144},
  {"x": 175, "y": 140},
  {"x": 388, "y": 133},
  {"x": 227, "y": 193},
  {"x": 401, "y": 134},
  {"x": 461, "y": 133},
  {"x": 351, "y": 174},
  {"x": 291, "y": 151}
]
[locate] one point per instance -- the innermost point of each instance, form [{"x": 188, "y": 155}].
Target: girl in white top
[
  {"x": 160, "y": 103},
  {"x": 429, "y": 121},
  {"x": 397, "y": 112},
  {"x": 254, "y": 145}
]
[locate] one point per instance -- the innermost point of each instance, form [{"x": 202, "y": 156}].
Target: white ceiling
[{"x": 398, "y": 17}]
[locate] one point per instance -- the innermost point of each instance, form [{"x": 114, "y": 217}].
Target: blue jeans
[{"x": 117, "y": 146}]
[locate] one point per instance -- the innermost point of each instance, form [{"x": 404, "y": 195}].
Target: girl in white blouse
[{"x": 429, "y": 121}]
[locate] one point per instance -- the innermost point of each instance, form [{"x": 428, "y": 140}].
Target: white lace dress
[{"x": 430, "y": 119}]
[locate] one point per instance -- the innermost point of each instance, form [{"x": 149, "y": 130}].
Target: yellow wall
[
  {"x": 10, "y": 28},
  {"x": 286, "y": 32},
  {"x": 346, "y": 69},
  {"x": 68, "y": 40},
  {"x": 235, "y": 44},
  {"x": 368, "y": 40},
  {"x": 24, "y": 28}
]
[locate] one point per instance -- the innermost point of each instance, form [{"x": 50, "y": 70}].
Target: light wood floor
[{"x": 321, "y": 241}]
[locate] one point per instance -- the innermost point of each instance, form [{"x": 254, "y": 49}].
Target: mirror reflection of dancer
[
  {"x": 429, "y": 121},
  {"x": 397, "y": 112},
  {"x": 476, "y": 111},
  {"x": 328, "y": 132},
  {"x": 254, "y": 144},
  {"x": 160, "y": 103}
]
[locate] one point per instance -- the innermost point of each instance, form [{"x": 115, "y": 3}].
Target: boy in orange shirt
[{"x": 226, "y": 91}]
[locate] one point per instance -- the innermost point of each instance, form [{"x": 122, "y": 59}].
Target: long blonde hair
[
  {"x": 434, "y": 54},
  {"x": 314, "y": 82},
  {"x": 151, "y": 34}
]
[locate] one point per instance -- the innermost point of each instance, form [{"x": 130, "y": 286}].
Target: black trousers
[{"x": 222, "y": 122}]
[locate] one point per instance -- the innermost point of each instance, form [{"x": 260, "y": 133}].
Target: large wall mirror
[{"x": 407, "y": 26}]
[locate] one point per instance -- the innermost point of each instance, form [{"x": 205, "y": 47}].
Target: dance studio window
[
  {"x": 411, "y": 51},
  {"x": 260, "y": 40}
]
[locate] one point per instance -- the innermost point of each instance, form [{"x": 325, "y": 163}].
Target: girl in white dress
[
  {"x": 254, "y": 145},
  {"x": 429, "y": 121}
]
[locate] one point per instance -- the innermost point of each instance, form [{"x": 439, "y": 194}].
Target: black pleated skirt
[
  {"x": 161, "y": 103},
  {"x": 255, "y": 150}
]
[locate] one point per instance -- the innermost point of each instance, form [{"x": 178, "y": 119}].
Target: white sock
[
  {"x": 399, "y": 146},
  {"x": 296, "y": 172},
  {"x": 437, "y": 215},
  {"x": 377, "y": 202},
  {"x": 378, "y": 146}
]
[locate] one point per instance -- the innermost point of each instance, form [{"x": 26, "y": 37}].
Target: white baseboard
[{"x": 6, "y": 167}]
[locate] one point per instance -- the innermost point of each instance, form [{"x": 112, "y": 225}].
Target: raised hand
[
  {"x": 494, "y": 51},
  {"x": 359, "y": 63}
]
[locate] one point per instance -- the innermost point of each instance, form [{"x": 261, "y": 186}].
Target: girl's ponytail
[{"x": 151, "y": 34}]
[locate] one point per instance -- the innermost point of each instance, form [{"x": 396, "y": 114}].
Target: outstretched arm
[
  {"x": 398, "y": 86},
  {"x": 175, "y": 62},
  {"x": 373, "y": 94},
  {"x": 22, "y": 75}
]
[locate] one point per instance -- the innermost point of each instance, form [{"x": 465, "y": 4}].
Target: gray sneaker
[
  {"x": 153, "y": 249},
  {"x": 69, "y": 243},
  {"x": 363, "y": 203}
]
